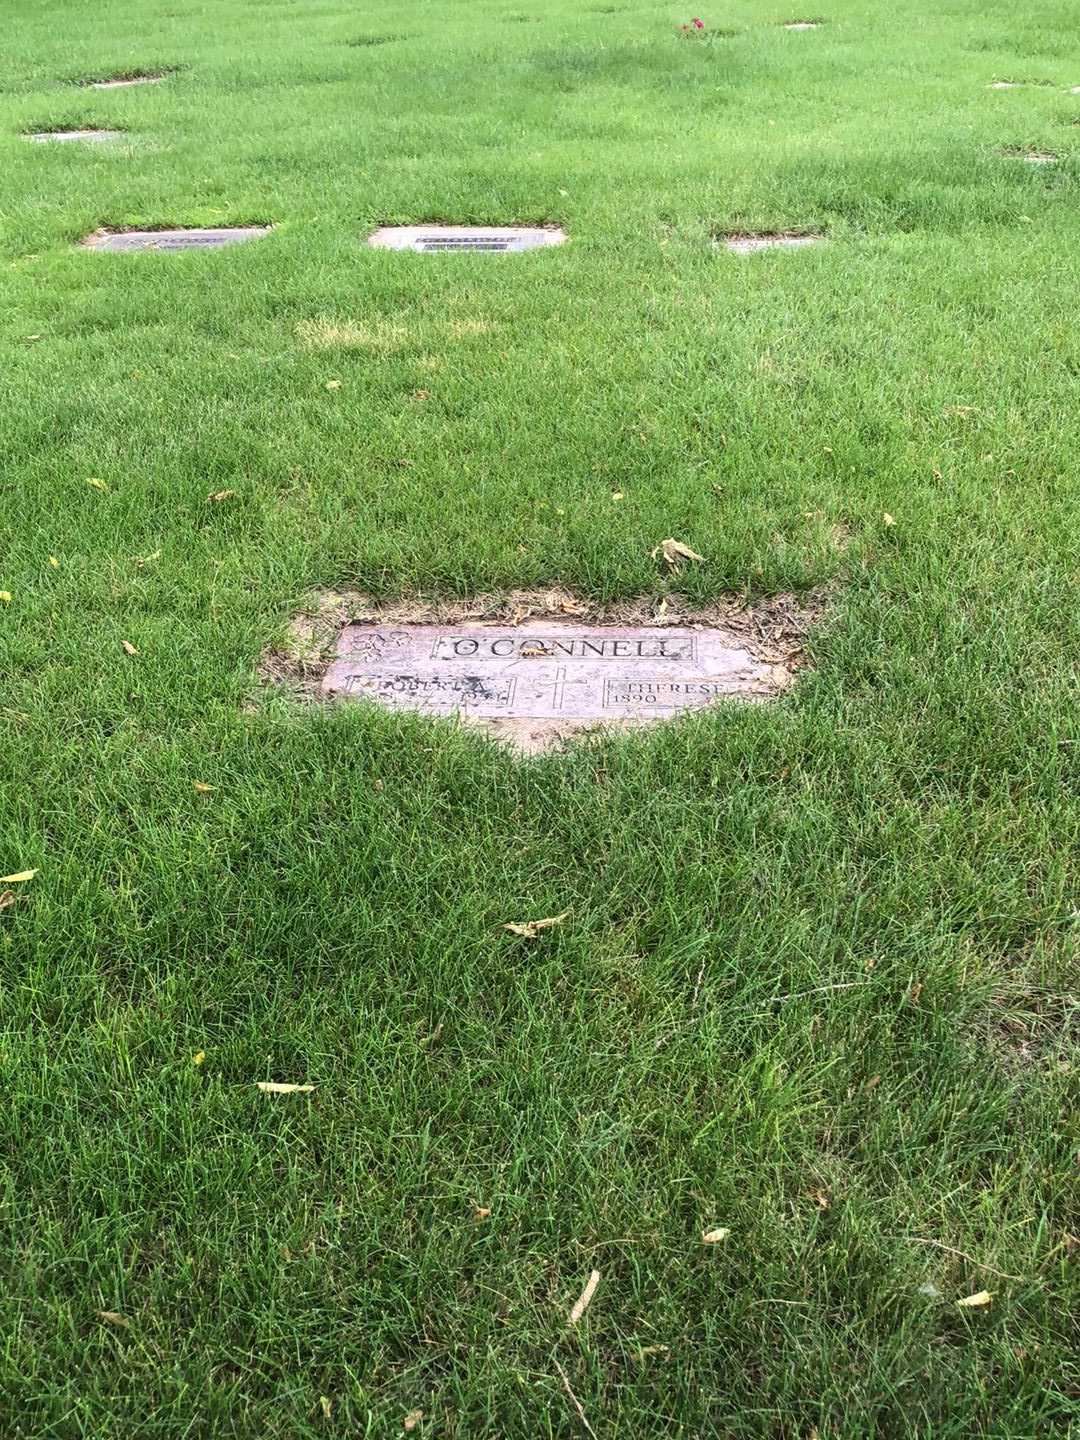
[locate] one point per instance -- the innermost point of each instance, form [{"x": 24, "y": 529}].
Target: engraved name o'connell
[
  {"x": 572, "y": 647},
  {"x": 544, "y": 677}
]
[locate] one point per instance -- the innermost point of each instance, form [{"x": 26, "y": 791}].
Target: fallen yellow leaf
[
  {"x": 141, "y": 560},
  {"x": 481, "y": 1212},
  {"x": 617, "y": 495},
  {"x": 18, "y": 877},
  {"x": 273, "y": 1087},
  {"x": 198, "y": 1057},
  {"x": 54, "y": 562},
  {"x": 218, "y": 496},
  {"x": 128, "y": 648},
  {"x": 412, "y": 1419},
  {"x": 581, "y": 1304},
  {"x": 201, "y": 787},
  {"x": 97, "y": 484},
  {"x": 888, "y": 519},
  {"x": 674, "y": 552},
  {"x": 113, "y": 1317},
  {"x": 713, "y": 1237},
  {"x": 531, "y": 928},
  {"x": 333, "y": 384},
  {"x": 976, "y": 1301},
  {"x": 326, "y": 1405}
]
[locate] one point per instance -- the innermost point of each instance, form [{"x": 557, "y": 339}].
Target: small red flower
[{"x": 698, "y": 24}]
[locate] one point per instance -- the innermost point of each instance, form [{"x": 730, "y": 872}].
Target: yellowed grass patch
[
  {"x": 325, "y": 333},
  {"x": 459, "y": 329}
]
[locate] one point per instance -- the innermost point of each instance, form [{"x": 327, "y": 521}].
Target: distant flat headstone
[
  {"x": 435, "y": 238},
  {"x": 172, "y": 239},
  {"x": 538, "y": 681},
  {"x": 117, "y": 82},
  {"x": 751, "y": 244},
  {"x": 802, "y": 25},
  {"x": 91, "y": 136}
]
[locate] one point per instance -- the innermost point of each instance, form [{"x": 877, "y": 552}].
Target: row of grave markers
[
  {"x": 537, "y": 684},
  {"x": 427, "y": 239},
  {"x": 424, "y": 238}
]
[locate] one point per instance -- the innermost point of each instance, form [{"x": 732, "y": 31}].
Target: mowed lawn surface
[{"x": 818, "y": 982}]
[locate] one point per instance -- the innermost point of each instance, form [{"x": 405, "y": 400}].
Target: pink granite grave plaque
[{"x": 537, "y": 681}]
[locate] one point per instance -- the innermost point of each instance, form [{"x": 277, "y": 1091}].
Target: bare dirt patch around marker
[
  {"x": 748, "y": 243},
  {"x": 194, "y": 239},
  {"x": 537, "y": 668},
  {"x": 438, "y": 238}
]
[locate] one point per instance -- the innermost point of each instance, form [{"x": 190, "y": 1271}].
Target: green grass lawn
[{"x": 819, "y": 980}]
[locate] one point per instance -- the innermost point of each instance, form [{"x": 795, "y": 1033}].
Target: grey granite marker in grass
[
  {"x": 434, "y": 239},
  {"x": 750, "y": 244},
  {"x": 93, "y": 137},
  {"x": 173, "y": 239},
  {"x": 121, "y": 81}
]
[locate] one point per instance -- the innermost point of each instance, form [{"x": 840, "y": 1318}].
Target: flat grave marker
[
  {"x": 93, "y": 137},
  {"x": 118, "y": 82},
  {"x": 196, "y": 239},
  {"x": 536, "y": 682},
  {"x": 436, "y": 239},
  {"x": 767, "y": 240}
]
